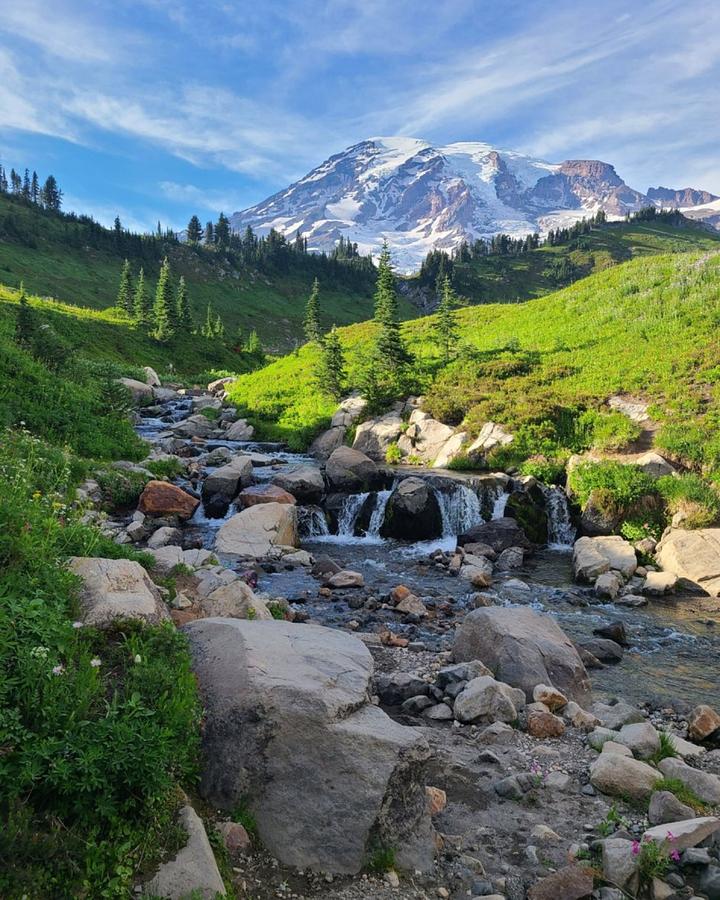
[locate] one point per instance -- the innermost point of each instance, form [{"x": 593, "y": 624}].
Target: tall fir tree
[
  {"x": 35, "y": 188},
  {"x": 26, "y": 186},
  {"x": 51, "y": 194},
  {"x": 311, "y": 322},
  {"x": 164, "y": 308},
  {"x": 222, "y": 231},
  {"x": 184, "y": 312},
  {"x": 142, "y": 305},
  {"x": 331, "y": 373},
  {"x": 209, "y": 238},
  {"x": 446, "y": 324},
  {"x": 208, "y": 327},
  {"x": 218, "y": 327},
  {"x": 253, "y": 347},
  {"x": 194, "y": 230},
  {"x": 124, "y": 298},
  {"x": 390, "y": 345}
]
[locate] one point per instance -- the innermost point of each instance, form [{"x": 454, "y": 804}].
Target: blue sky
[{"x": 155, "y": 109}]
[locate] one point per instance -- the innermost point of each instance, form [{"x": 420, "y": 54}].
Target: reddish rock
[
  {"x": 569, "y": 883},
  {"x": 235, "y": 837},
  {"x": 703, "y": 721},
  {"x": 543, "y": 724},
  {"x": 160, "y": 498},
  {"x": 436, "y": 800},
  {"x": 399, "y": 593},
  {"x": 263, "y": 493}
]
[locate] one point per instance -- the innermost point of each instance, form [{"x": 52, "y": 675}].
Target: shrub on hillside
[
  {"x": 625, "y": 485},
  {"x": 690, "y": 495}
]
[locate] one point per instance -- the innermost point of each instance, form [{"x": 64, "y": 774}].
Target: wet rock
[
  {"x": 193, "y": 870},
  {"x": 350, "y": 471},
  {"x": 160, "y": 498},
  {"x": 703, "y": 722},
  {"x": 477, "y": 570},
  {"x": 523, "y": 648},
  {"x": 615, "y": 631},
  {"x": 255, "y": 531},
  {"x": 165, "y": 536},
  {"x": 608, "y": 585},
  {"x": 528, "y": 508},
  {"x": 325, "y": 565},
  {"x": 412, "y": 512},
  {"x": 228, "y": 480},
  {"x": 500, "y": 534},
  {"x": 512, "y": 558},
  {"x": 486, "y": 700},
  {"x": 641, "y": 738},
  {"x": 479, "y": 549},
  {"x": 603, "y": 649},
  {"x": 116, "y": 589},
  {"x": 659, "y": 583},
  {"x": 412, "y": 606},
  {"x": 621, "y": 776},
  {"x": 665, "y": 807},
  {"x": 305, "y": 483},
  {"x": 569, "y": 883},
  {"x": 703, "y": 784},
  {"x": 345, "y": 578},
  {"x": 198, "y": 426},
  {"x": 632, "y": 600},
  {"x": 263, "y": 493},
  {"x": 274, "y": 693}
]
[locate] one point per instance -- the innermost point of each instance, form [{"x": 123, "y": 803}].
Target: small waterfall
[
  {"x": 501, "y": 499},
  {"x": 561, "y": 532},
  {"x": 312, "y": 522},
  {"x": 349, "y": 512},
  {"x": 378, "y": 514},
  {"x": 460, "y": 510}
]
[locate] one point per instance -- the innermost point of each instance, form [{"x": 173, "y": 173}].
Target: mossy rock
[{"x": 530, "y": 515}]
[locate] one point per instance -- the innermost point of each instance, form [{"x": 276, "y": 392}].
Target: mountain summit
[{"x": 420, "y": 197}]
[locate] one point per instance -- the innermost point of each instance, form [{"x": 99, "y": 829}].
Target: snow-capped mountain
[{"x": 421, "y": 197}]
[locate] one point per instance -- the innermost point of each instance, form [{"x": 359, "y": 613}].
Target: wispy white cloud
[{"x": 201, "y": 198}]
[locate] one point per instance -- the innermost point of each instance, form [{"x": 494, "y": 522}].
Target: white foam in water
[
  {"x": 561, "y": 532},
  {"x": 350, "y": 510},
  {"x": 499, "y": 505},
  {"x": 460, "y": 510},
  {"x": 314, "y": 524}
]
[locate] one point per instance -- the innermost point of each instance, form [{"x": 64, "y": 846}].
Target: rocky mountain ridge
[{"x": 419, "y": 197}]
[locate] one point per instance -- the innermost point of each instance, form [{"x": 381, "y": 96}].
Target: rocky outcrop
[
  {"x": 594, "y": 556},
  {"x": 227, "y": 481},
  {"x": 140, "y": 390},
  {"x": 350, "y": 471},
  {"x": 491, "y": 436},
  {"x": 486, "y": 700},
  {"x": 523, "y": 649},
  {"x": 115, "y": 589},
  {"x": 263, "y": 493},
  {"x": 287, "y": 723},
  {"x": 528, "y": 509},
  {"x": 258, "y": 531},
  {"x": 374, "y": 436},
  {"x": 694, "y": 555},
  {"x": 239, "y": 431},
  {"x": 305, "y": 483},
  {"x": 346, "y": 415},
  {"x": 198, "y": 426},
  {"x": 412, "y": 512},
  {"x": 499, "y": 534},
  {"x": 622, "y": 776},
  {"x": 193, "y": 871},
  {"x": 424, "y": 436},
  {"x": 160, "y": 498}
]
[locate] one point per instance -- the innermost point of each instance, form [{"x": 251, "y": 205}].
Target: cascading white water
[
  {"x": 378, "y": 514},
  {"x": 349, "y": 512},
  {"x": 561, "y": 532},
  {"x": 501, "y": 499},
  {"x": 312, "y": 522},
  {"x": 460, "y": 510}
]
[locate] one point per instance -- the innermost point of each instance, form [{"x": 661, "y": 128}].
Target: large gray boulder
[
  {"x": 305, "y": 483},
  {"x": 192, "y": 871},
  {"x": 258, "y": 530},
  {"x": 593, "y": 556},
  {"x": 116, "y": 589},
  {"x": 424, "y": 436},
  {"x": 694, "y": 555},
  {"x": 623, "y": 776},
  {"x": 239, "y": 431},
  {"x": 412, "y": 512},
  {"x": 290, "y": 732},
  {"x": 486, "y": 700},
  {"x": 350, "y": 471},
  {"x": 374, "y": 436},
  {"x": 500, "y": 534},
  {"x": 194, "y": 426},
  {"x": 704, "y": 785},
  {"x": 227, "y": 481},
  {"x": 523, "y": 648}
]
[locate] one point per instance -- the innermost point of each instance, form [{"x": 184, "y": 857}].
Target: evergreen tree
[
  {"x": 446, "y": 324},
  {"x": 253, "y": 347},
  {"x": 237, "y": 339},
  {"x": 35, "y": 188},
  {"x": 311, "y": 322},
  {"x": 164, "y": 308},
  {"x": 124, "y": 298},
  {"x": 142, "y": 306},
  {"x": 184, "y": 313},
  {"x": 26, "y": 189},
  {"x": 51, "y": 194},
  {"x": 218, "y": 327},
  {"x": 194, "y": 230},
  {"x": 331, "y": 372},
  {"x": 3, "y": 181},
  {"x": 389, "y": 343},
  {"x": 222, "y": 231},
  {"x": 26, "y": 323},
  {"x": 209, "y": 234},
  {"x": 208, "y": 326},
  {"x": 15, "y": 182}
]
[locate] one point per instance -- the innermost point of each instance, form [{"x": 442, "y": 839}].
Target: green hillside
[
  {"x": 79, "y": 262},
  {"x": 647, "y": 327},
  {"x": 499, "y": 278}
]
